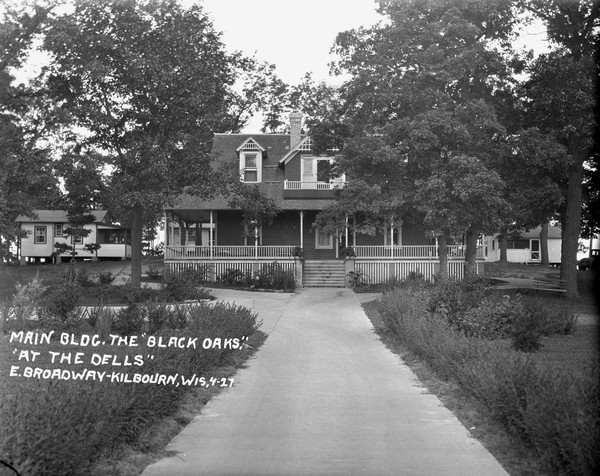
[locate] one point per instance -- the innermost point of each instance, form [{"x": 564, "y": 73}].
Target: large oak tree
[{"x": 150, "y": 83}]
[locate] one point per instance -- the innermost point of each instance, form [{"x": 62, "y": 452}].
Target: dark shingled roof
[
  {"x": 57, "y": 216},
  {"x": 276, "y": 146}
]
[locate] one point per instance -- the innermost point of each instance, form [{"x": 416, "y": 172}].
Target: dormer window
[
  {"x": 251, "y": 155},
  {"x": 250, "y": 166}
]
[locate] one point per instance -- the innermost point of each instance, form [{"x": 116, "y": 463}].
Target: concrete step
[{"x": 324, "y": 273}]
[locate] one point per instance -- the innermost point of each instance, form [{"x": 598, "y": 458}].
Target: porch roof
[{"x": 273, "y": 190}]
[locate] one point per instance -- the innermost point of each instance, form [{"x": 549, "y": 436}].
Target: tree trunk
[
  {"x": 471, "y": 253},
  {"x": 443, "y": 256},
  {"x": 571, "y": 225},
  {"x": 503, "y": 244},
  {"x": 137, "y": 221},
  {"x": 544, "y": 245}
]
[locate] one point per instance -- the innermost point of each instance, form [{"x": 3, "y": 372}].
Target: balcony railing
[
  {"x": 227, "y": 252},
  {"x": 411, "y": 251},
  {"x": 297, "y": 185}
]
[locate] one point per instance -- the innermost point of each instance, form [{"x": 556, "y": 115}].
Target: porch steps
[{"x": 323, "y": 273}]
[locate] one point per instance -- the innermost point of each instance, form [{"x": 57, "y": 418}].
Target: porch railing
[
  {"x": 410, "y": 251},
  {"x": 225, "y": 252},
  {"x": 297, "y": 185}
]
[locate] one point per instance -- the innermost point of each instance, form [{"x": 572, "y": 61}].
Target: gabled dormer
[{"x": 251, "y": 155}]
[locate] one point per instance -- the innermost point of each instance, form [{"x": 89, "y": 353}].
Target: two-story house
[
  {"x": 284, "y": 167},
  {"x": 45, "y": 228}
]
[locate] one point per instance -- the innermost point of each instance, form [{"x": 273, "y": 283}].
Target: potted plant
[{"x": 348, "y": 252}]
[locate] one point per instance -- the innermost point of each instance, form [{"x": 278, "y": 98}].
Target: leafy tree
[
  {"x": 150, "y": 82},
  {"x": 26, "y": 174},
  {"x": 257, "y": 208},
  {"x": 561, "y": 94},
  {"x": 425, "y": 84}
]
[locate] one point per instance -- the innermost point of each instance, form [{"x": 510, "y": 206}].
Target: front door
[{"x": 534, "y": 245}]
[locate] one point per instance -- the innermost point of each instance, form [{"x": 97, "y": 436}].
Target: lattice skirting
[
  {"x": 214, "y": 269},
  {"x": 382, "y": 271}
]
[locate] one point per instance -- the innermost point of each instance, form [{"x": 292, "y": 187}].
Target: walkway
[{"x": 323, "y": 396}]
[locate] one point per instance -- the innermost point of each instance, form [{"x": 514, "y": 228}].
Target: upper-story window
[
  {"x": 251, "y": 155},
  {"x": 317, "y": 173},
  {"x": 250, "y": 166},
  {"x": 39, "y": 235}
]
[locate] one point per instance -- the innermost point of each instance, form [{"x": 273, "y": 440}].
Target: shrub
[
  {"x": 236, "y": 277},
  {"x": 129, "y": 320},
  {"x": 554, "y": 318},
  {"x": 527, "y": 333},
  {"x": 134, "y": 294},
  {"x": 273, "y": 276},
  {"x": 154, "y": 272},
  {"x": 555, "y": 414},
  {"x": 61, "y": 307},
  {"x": 105, "y": 278},
  {"x": 58, "y": 427},
  {"x": 492, "y": 319},
  {"x": 456, "y": 297},
  {"x": 196, "y": 275},
  {"x": 27, "y": 299}
]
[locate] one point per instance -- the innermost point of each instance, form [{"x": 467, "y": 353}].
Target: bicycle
[{"x": 354, "y": 278}]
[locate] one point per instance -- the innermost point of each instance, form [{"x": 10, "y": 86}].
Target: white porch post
[
  {"x": 346, "y": 232},
  {"x": 302, "y": 229},
  {"x": 437, "y": 248},
  {"x": 172, "y": 230},
  {"x": 211, "y": 235},
  {"x": 392, "y": 239},
  {"x": 256, "y": 242},
  {"x": 166, "y": 232}
]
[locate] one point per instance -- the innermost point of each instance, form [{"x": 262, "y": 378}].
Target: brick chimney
[{"x": 295, "y": 129}]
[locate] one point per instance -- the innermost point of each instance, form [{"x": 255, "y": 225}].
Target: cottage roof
[
  {"x": 554, "y": 232},
  {"x": 57, "y": 216}
]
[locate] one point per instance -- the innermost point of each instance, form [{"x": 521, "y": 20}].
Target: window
[
  {"x": 323, "y": 241},
  {"x": 58, "y": 230},
  {"x": 39, "y": 235},
  {"x": 250, "y": 166},
  {"x": 396, "y": 236},
  {"x": 317, "y": 171}
]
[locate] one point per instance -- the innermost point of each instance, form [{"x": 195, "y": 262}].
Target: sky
[{"x": 295, "y": 35}]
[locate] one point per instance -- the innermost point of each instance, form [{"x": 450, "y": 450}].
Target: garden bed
[{"x": 536, "y": 412}]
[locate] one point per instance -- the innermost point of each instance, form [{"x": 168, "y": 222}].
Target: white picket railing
[
  {"x": 228, "y": 252},
  {"x": 410, "y": 251},
  {"x": 301, "y": 185}
]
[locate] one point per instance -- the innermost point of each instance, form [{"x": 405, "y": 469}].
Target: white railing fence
[
  {"x": 410, "y": 251},
  {"x": 306, "y": 185},
  {"x": 228, "y": 252}
]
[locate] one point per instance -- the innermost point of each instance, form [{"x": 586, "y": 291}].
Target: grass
[{"x": 570, "y": 355}]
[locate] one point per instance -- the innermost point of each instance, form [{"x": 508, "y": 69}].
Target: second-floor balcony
[{"x": 306, "y": 185}]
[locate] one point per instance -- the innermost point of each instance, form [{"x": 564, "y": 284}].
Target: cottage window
[
  {"x": 250, "y": 166},
  {"x": 39, "y": 235},
  {"x": 58, "y": 230},
  {"x": 323, "y": 241}
]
